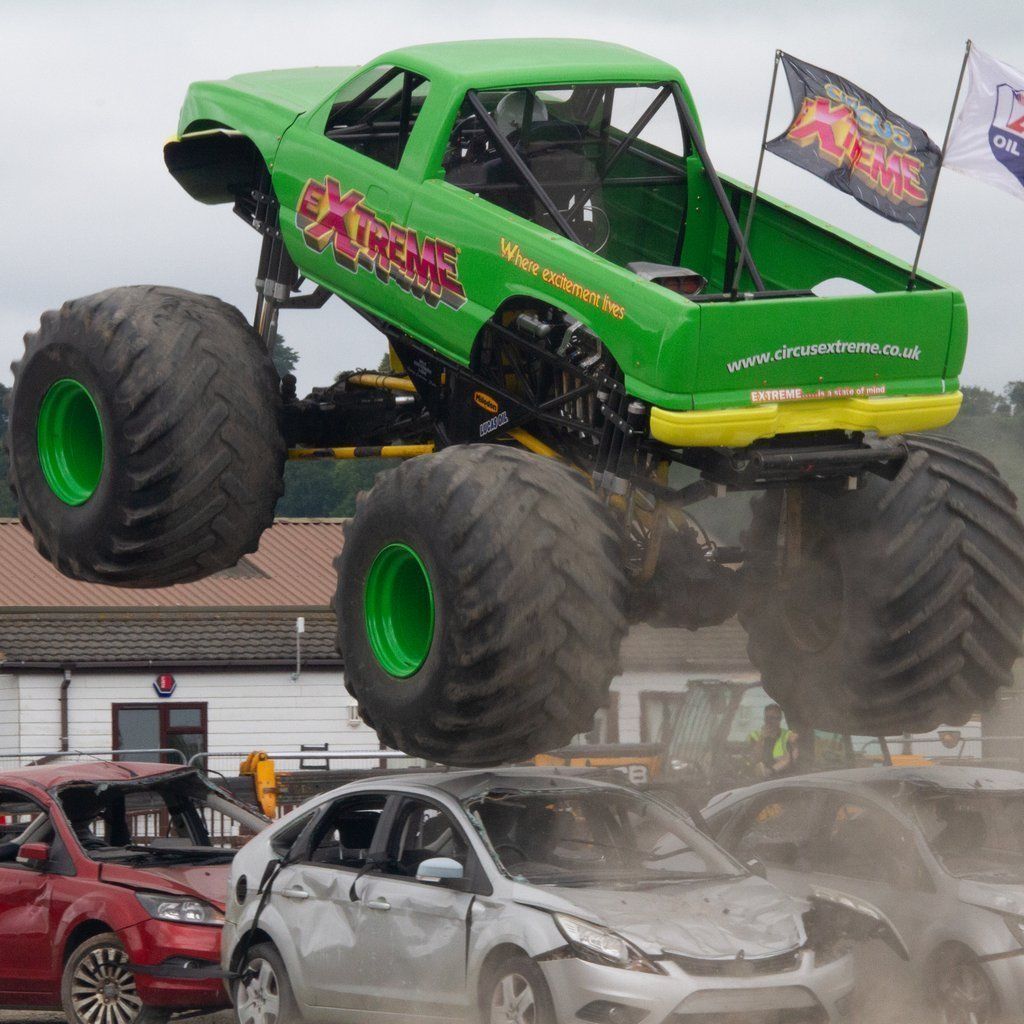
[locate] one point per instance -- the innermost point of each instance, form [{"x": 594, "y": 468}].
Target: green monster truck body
[{"x": 537, "y": 228}]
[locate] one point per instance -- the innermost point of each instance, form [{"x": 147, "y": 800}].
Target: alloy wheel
[
  {"x": 258, "y": 995},
  {"x": 964, "y": 995},
  {"x": 513, "y": 1001},
  {"x": 103, "y": 989}
]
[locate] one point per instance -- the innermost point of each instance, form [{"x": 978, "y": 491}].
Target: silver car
[
  {"x": 517, "y": 895},
  {"x": 939, "y": 850}
]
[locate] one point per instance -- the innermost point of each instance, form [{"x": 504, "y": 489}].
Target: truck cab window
[
  {"x": 611, "y": 158},
  {"x": 375, "y": 112}
]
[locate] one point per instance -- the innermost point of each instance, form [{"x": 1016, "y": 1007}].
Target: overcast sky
[{"x": 91, "y": 90}]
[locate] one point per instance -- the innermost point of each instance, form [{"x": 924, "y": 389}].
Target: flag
[
  {"x": 846, "y": 136},
  {"x": 988, "y": 139}
]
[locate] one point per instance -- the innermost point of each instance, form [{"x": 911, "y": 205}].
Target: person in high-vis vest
[{"x": 775, "y": 748}]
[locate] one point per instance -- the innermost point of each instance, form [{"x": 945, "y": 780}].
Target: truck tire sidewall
[
  {"x": 363, "y": 542},
  {"x": 57, "y": 361}
]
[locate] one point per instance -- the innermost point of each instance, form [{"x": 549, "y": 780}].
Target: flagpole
[
  {"x": 912, "y": 281},
  {"x": 757, "y": 177}
]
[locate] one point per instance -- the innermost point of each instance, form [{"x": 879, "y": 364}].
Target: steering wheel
[{"x": 510, "y": 846}]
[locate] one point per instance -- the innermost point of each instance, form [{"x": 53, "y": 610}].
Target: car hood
[
  {"x": 208, "y": 881},
  {"x": 1002, "y": 897},
  {"x": 707, "y": 920}
]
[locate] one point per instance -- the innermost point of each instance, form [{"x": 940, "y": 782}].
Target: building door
[{"x": 155, "y": 726}]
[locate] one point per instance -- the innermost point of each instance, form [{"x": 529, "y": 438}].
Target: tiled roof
[
  {"x": 244, "y": 616},
  {"x": 291, "y": 569},
  {"x": 164, "y": 639},
  {"x": 715, "y": 649}
]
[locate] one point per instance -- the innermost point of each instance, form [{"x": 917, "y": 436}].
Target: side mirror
[
  {"x": 440, "y": 869},
  {"x": 37, "y": 854},
  {"x": 756, "y": 867}
]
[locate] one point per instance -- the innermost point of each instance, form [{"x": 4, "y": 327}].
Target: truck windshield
[
  {"x": 611, "y": 159},
  {"x": 594, "y": 837}
]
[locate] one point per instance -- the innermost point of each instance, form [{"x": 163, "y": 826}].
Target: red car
[{"x": 113, "y": 878}]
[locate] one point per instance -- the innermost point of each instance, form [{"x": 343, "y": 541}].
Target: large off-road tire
[
  {"x": 145, "y": 445},
  {"x": 480, "y": 605},
  {"x": 906, "y": 608},
  {"x": 97, "y": 987}
]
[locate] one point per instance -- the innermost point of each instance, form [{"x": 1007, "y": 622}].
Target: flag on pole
[
  {"x": 847, "y": 137},
  {"x": 988, "y": 138}
]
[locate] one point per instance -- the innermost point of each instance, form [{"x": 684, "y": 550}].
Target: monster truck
[{"x": 538, "y": 231}]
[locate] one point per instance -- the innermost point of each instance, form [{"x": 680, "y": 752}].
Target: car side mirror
[
  {"x": 756, "y": 867},
  {"x": 37, "y": 854},
  {"x": 440, "y": 869}
]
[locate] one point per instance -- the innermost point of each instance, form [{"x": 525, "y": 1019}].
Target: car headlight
[
  {"x": 602, "y": 946},
  {"x": 1016, "y": 926},
  {"x": 179, "y": 909}
]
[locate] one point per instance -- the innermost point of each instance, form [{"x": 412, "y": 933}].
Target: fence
[{"x": 31, "y": 758}]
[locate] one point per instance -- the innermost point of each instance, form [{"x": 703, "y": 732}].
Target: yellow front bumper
[{"x": 736, "y": 428}]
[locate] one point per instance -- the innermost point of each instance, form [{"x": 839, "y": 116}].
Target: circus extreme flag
[{"x": 846, "y": 136}]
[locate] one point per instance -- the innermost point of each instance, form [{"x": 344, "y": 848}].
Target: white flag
[{"x": 988, "y": 140}]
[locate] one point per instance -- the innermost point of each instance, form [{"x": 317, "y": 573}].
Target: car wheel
[
  {"x": 963, "y": 994},
  {"x": 98, "y": 988},
  {"x": 263, "y": 994},
  {"x": 515, "y": 992}
]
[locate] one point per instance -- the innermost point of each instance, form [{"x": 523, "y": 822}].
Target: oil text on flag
[
  {"x": 988, "y": 139},
  {"x": 850, "y": 139}
]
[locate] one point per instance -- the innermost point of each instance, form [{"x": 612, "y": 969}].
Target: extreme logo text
[
  {"x": 426, "y": 267},
  {"x": 847, "y": 132}
]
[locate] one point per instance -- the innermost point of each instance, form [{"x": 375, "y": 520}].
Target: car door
[
  {"x": 313, "y": 897},
  {"x": 343, "y": 200},
  {"x": 414, "y": 934},
  {"x": 26, "y": 939}
]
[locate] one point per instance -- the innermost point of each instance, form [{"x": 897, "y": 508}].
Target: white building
[{"x": 80, "y": 663}]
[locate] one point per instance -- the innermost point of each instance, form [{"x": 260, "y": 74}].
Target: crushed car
[
  {"x": 112, "y": 884},
  {"x": 523, "y": 895},
  {"x": 939, "y": 850}
]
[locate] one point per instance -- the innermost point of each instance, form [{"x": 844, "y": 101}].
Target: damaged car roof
[
  {"x": 964, "y": 778},
  {"x": 466, "y": 784},
  {"x": 49, "y": 776}
]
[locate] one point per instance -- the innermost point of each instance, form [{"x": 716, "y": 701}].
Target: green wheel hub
[
  {"x": 398, "y": 604},
  {"x": 69, "y": 437}
]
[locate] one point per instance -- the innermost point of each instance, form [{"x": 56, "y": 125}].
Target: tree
[
  {"x": 284, "y": 356},
  {"x": 7, "y": 504},
  {"x": 320, "y": 489},
  {"x": 1014, "y": 392},
  {"x": 979, "y": 401}
]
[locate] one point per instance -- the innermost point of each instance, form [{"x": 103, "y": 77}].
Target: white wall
[
  {"x": 245, "y": 711},
  {"x": 631, "y": 685},
  {"x": 8, "y": 714}
]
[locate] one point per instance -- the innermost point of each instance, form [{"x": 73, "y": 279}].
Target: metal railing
[
  {"x": 38, "y": 757},
  {"x": 966, "y": 750},
  {"x": 368, "y": 758}
]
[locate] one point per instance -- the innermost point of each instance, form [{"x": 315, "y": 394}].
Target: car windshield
[
  {"x": 593, "y": 836},
  {"x": 974, "y": 835},
  {"x": 180, "y": 817}
]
